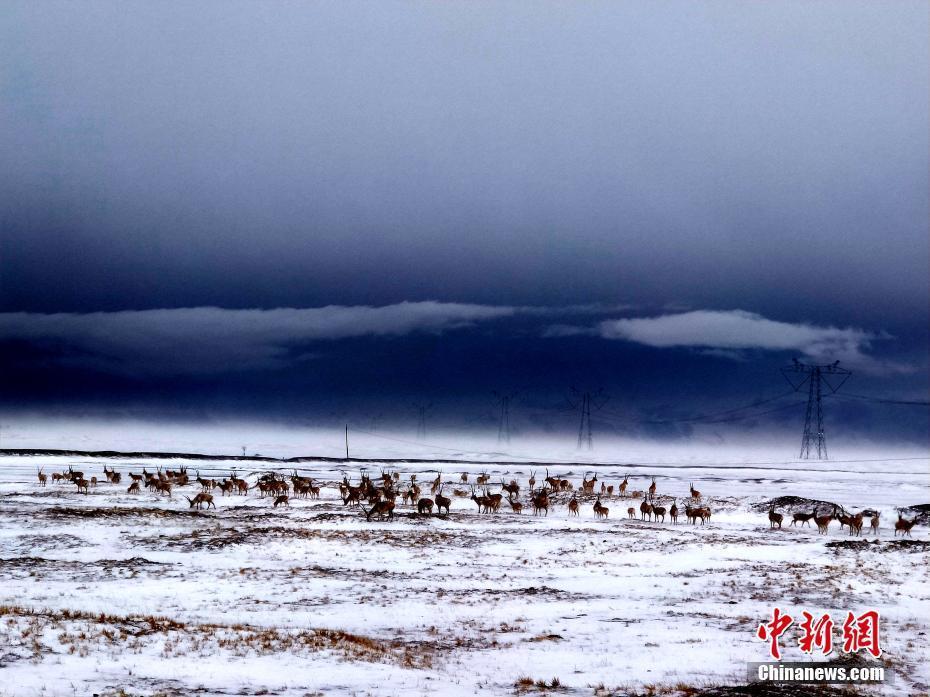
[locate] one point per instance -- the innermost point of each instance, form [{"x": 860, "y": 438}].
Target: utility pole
[
  {"x": 815, "y": 376},
  {"x": 347, "y": 441},
  {"x": 503, "y": 425},
  {"x": 585, "y": 401}
]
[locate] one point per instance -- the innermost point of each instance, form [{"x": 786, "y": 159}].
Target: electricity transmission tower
[
  {"x": 503, "y": 426},
  {"x": 422, "y": 412},
  {"x": 585, "y": 401},
  {"x": 815, "y": 376}
]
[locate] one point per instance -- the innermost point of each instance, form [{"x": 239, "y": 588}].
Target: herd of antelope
[
  {"x": 853, "y": 522},
  {"x": 380, "y": 494}
]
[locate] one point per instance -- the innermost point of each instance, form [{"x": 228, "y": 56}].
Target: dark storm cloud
[
  {"x": 545, "y": 193},
  {"x": 295, "y": 154}
]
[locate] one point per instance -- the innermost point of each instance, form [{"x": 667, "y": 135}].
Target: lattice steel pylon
[
  {"x": 584, "y": 401},
  {"x": 815, "y": 376}
]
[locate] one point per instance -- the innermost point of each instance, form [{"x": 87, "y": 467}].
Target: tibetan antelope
[
  {"x": 541, "y": 502},
  {"x": 281, "y": 500},
  {"x": 200, "y": 499},
  {"x": 645, "y": 508},
  {"x": 652, "y": 489},
  {"x": 673, "y": 512},
  {"x": 43, "y": 478},
  {"x": 823, "y": 522},
  {"x": 425, "y": 506},
  {"x": 903, "y": 525},
  {"x": 855, "y": 524},
  {"x": 658, "y": 511},
  {"x": 695, "y": 494},
  {"x": 631, "y": 512},
  {"x": 442, "y": 502},
  {"x": 587, "y": 485},
  {"x": 573, "y": 506},
  {"x": 381, "y": 509},
  {"x": 483, "y": 478},
  {"x": 512, "y": 489},
  {"x": 133, "y": 488},
  {"x": 623, "y": 485},
  {"x": 599, "y": 510},
  {"x": 484, "y": 505},
  {"x": 515, "y": 506},
  {"x": 464, "y": 478},
  {"x": 802, "y": 518},
  {"x": 532, "y": 481},
  {"x": 875, "y": 522},
  {"x": 82, "y": 485},
  {"x": 775, "y": 518}
]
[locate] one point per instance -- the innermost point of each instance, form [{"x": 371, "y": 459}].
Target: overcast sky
[{"x": 333, "y": 208}]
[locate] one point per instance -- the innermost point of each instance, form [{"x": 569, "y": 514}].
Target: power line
[
  {"x": 422, "y": 412},
  {"x": 884, "y": 400},
  {"x": 701, "y": 417}
]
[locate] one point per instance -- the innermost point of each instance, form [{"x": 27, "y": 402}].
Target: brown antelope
[
  {"x": 515, "y": 506},
  {"x": 532, "y": 481},
  {"x": 631, "y": 512},
  {"x": 658, "y": 511},
  {"x": 610, "y": 491},
  {"x": 133, "y": 488},
  {"x": 483, "y": 478},
  {"x": 802, "y": 518},
  {"x": 775, "y": 518},
  {"x": 573, "y": 506},
  {"x": 200, "y": 499},
  {"x": 587, "y": 485},
  {"x": 541, "y": 502},
  {"x": 553, "y": 482},
  {"x": 599, "y": 510},
  {"x": 434, "y": 487},
  {"x": 205, "y": 484},
  {"x": 281, "y": 500},
  {"x": 82, "y": 485},
  {"x": 163, "y": 487},
  {"x": 494, "y": 501},
  {"x": 695, "y": 494},
  {"x": 43, "y": 479},
  {"x": 645, "y": 508},
  {"x": 823, "y": 522},
  {"x": 74, "y": 476},
  {"x": 58, "y": 477},
  {"x": 381, "y": 508},
  {"x": 484, "y": 505},
  {"x": 442, "y": 502},
  {"x": 652, "y": 489},
  {"x": 903, "y": 525},
  {"x": 464, "y": 478},
  {"x": 512, "y": 489},
  {"x": 844, "y": 520},
  {"x": 673, "y": 512},
  {"x": 409, "y": 497},
  {"x": 855, "y": 524},
  {"x": 623, "y": 485},
  {"x": 425, "y": 506},
  {"x": 93, "y": 482},
  {"x": 875, "y": 522}
]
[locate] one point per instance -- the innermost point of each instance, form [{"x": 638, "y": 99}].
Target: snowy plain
[{"x": 115, "y": 593}]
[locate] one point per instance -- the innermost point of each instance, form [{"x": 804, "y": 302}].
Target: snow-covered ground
[{"x": 113, "y": 591}]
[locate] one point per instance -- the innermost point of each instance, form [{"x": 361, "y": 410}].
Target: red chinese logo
[
  {"x": 859, "y": 633},
  {"x": 773, "y": 630},
  {"x": 816, "y": 635}
]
